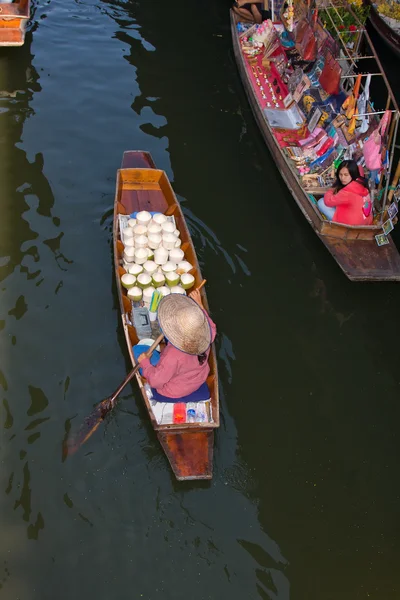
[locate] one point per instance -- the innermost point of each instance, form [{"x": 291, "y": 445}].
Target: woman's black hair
[
  {"x": 354, "y": 173},
  {"x": 202, "y": 358}
]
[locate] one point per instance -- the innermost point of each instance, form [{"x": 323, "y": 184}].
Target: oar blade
[{"x": 89, "y": 426}]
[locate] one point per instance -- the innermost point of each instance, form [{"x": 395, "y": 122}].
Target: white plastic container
[{"x": 131, "y": 223}]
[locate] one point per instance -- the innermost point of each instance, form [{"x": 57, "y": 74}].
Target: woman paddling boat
[{"x": 182, "y": 367}]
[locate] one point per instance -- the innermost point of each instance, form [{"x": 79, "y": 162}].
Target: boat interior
[{"x": 149, "y": 189}]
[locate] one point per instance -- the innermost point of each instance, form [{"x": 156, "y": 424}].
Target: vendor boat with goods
[
  {"x": 385, "y": 18},
  {"x": 314, "y": 104},
  {"x": 154, "y": 257},
  {"x": 14, "y": 16}
]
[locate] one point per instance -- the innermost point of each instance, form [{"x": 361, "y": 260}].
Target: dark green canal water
[{"x": 304, "y": 503}]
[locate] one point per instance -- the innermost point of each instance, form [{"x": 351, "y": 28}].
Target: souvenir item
[
  {"x": 373, "y": 145},
  {"x": 362, "y": 106},
  {"x": 381, "y": 239},
  {"x": 330, "y": 76},
  {"x": 350, "y": 104}
]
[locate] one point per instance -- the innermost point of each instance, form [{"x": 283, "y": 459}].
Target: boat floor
[{"x": 150, "y": 200}]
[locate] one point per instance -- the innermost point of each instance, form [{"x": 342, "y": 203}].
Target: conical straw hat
[{"x": 184, "y": 324}]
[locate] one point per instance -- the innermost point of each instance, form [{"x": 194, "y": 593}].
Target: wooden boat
[
  {"x": 13, "y": 20},
  {"x": 354, "y": 248},
  {"x": 140, "y": 186},
  {"x": 383, "y": 29}
]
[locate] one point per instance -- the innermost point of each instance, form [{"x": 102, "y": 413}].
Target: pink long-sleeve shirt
[{"x": 177, "y": 374}]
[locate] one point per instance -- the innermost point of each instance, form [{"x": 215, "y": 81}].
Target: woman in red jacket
[{"x": 348, "y": 202}]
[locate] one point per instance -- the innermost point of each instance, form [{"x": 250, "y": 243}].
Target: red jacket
[{"x": 349, "y": 203}]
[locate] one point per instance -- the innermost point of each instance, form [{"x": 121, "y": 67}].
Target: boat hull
[
  {"x": 188, "y": 447},
  {"x": 13, "y": 21},
  {"x": 388, "y": 35},
  {"x": 353, "y": 248}
]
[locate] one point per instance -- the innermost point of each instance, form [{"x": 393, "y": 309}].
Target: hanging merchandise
[
  {"x": 373, "y": 145},
  {"x": 350, "y": 104},
  {"x": 330, "y": 76},
  {"x": 307, "y": 47},
  {"x": 362, "y": 105}
]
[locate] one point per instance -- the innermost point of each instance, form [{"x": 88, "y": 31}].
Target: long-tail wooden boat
[
  {"x": 383, "y": 29},
  {"x": 140, "y": 186},
  {"x": 353, "y": 247},
  {"x": 13, "y": 20}
]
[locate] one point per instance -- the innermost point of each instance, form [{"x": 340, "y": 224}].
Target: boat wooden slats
[
  {"x": 189, "y": 453},
  {"x": 135, "y": 200},
  {"x": 363, "y": 260}
]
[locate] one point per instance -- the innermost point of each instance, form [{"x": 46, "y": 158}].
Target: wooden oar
[{"x": 98, "y": 415}]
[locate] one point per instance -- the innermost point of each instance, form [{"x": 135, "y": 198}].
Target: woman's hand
[
  {"x": 141, "y": 357},
  {"x": 195, "y": 295}
]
